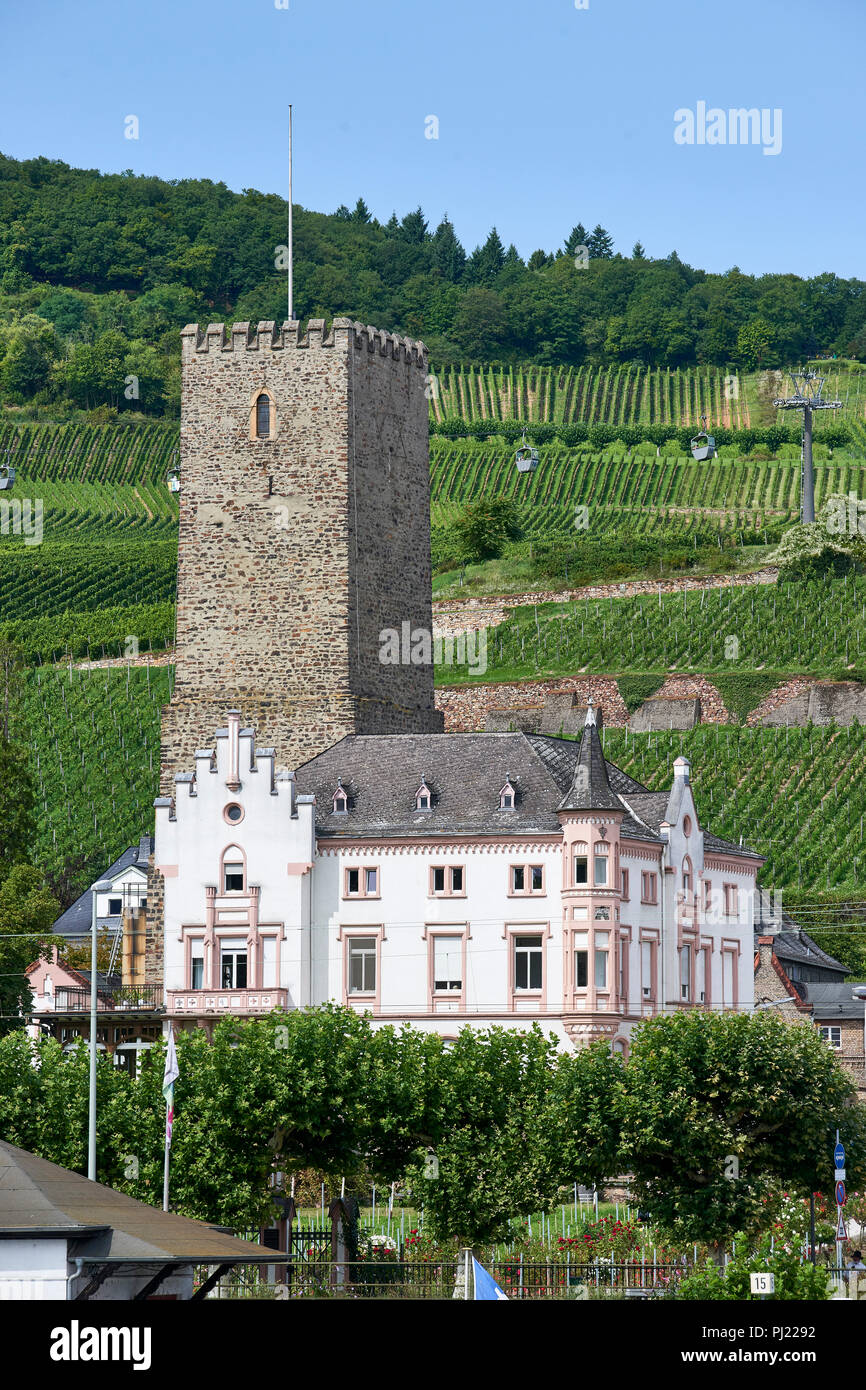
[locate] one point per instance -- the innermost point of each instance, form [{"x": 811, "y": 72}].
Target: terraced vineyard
[
  {"x": 118, "y": 453},
  {"x": 792, "y": 628},
  {"x": 621, "y": 395},
  {"x": 95, "y": 737},
  {"x": 615, "y": 478},
  {"x": 783, "y": 791}
]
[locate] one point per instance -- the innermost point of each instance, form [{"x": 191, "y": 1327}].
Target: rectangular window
[
  {"x": 648, "y": 888},
  {"x": 646, "y": 969},
  {"x": 602, "y": 941},
  {"x": 115, "y": 907},
  {"x": 602, "y": 914},
  {"x": 706, "y": 959},
  {"x": 537, "y": 872},
  {"x": 518, "y": 876},
  {"x": 447, "y": 880},
  {"x": 371, "y": 881},
  {"x": 528, "y": 956},
  {"x": 708, "y": 895},
  {"x": 832, "y": 1035},
  {"x": 600, "y": 870},
  {"x": 527, "y": 878},
  {"x": 362, "y": 965},
  {"x": 624, "y": 884},
  {"x": 732, "y": 900},
  {"x": 269, "y": 962},
  {"x": 581, "y": 871},
  {"x": 685, "y": 972},
  {"x": 623, "y": 970},
  {"x": 581, "y": 959},
  {"x": 447, "y": 963},
  {"x": 234, "y": 878},
  {"x": 196, "y": 965},
  {"x": 727, "y": 979},
  {"x": 353, "y": 882},
  {"x": 233, "y": 964}
]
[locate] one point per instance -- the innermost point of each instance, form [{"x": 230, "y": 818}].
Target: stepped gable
[
  {"x": 465, "y": 774},
  {"x": 266, "y": 336},
  {"x": 590, "y": 789}
]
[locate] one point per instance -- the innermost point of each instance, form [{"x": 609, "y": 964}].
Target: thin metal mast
[
  {"x": 807, "y": 396},
  {"x": 291, "y": 288}
]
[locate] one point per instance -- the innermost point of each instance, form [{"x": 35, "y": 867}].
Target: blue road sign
[
  {"x": 839, "y": 1155},
  {"x": 840, "y": 1194}
]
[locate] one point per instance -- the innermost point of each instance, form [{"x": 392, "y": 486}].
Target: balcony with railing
[
  {"x": 126, "y": 999},
  {"x": 226, "y": 1001}
]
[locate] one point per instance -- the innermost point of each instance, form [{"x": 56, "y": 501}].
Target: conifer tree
[
  {"x": 600, "y": 244},
  {"x": 449, "y": 257}
]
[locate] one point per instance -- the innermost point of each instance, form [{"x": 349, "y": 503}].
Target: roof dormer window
[
  {"x": 507, "y": 795},
  {"x": 341, "y": 800},
  {"x": 423, "y": 797}
]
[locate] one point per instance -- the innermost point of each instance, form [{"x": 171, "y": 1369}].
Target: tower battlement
[{"x": 267, "y": 337}]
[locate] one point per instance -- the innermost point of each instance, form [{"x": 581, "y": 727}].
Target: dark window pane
[
  {"x": 517, "y": 873},
  {"x": 580, "y": 975},
  {"x": 580, "y": 868},
  {"x": 520, "y": 970},
  {"x": 537, "y": 877},
  {"x": 457, "y": 880},
  {"x": 535, "y": 970},
  {"x": 263, "y": 417}
]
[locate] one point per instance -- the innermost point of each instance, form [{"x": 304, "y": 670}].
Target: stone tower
[{"x": 304, "y": 533}]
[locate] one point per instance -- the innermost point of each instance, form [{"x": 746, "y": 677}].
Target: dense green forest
[{"x": 98, "y": 273}]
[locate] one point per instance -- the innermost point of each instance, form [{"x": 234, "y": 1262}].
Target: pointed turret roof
[{"x": 590, "y": 788}]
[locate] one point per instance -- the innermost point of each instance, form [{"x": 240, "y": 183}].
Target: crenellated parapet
[{"x": 267, "y": 337}]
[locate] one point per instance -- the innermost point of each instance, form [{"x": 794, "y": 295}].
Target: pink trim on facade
[
  {"x": 372, "y": 999},
  {"x": 537, "y": 996},
  {"x": 527, "y": 891},
  {"x": 731, "y": 947},
  {"x": 432, "y": 930},
  {"x": 167, "y": 870},
  {"x": 447, "y": 891},
  {"x": 237, "y": 854},
  {"x": 362, "y": 870},
  {"x": 233, "y": 781}
]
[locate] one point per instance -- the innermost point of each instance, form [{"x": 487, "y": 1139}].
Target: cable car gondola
[
  {"x": 526, "y": 457},
  {"x": 703, "y": 446},
  {"x": 7, "y": 479}
]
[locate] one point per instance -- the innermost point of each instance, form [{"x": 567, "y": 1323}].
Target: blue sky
[{"x": 547, "y": 114}]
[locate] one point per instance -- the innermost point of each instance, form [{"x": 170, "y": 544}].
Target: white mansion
[{"x": 446, "y": 879}]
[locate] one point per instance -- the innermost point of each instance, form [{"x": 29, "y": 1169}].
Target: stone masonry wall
[{"x": 296, "y": 550}]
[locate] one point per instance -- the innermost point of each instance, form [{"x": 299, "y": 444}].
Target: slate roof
[
  {"x": 590, "y": 789},
  {"x": 830, "y": 1001},
  {"x": 44, "y": 1200},
  {"x": 75, "y": 921},
  {"x": 465, "y": 773},
  {"x": 794, "y": 944}
]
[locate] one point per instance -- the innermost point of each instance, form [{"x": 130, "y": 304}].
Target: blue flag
[{"x": 485, "y": 1285}]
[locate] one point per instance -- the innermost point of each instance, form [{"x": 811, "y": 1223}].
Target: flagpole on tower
[{"x": 291, "y": 287}]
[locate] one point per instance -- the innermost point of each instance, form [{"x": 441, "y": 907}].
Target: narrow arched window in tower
[{"x": 263, "y": 416}]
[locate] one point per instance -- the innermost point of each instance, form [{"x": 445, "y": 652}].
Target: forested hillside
[{"x": 98, "y": 273}]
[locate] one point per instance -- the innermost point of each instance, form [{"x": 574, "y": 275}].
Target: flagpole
[
  {"x": 291, "y": 287},
  {"x": 165, "y": 1164},
  {"x": 169, "y": 1077}
]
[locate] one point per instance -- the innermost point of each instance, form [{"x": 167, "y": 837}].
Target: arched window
[
  {"x": 687, "y": 875},
  {"x": 263, "y": 416},
  {"x": 233, "y": 870}
]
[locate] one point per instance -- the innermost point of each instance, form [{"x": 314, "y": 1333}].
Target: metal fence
[
  {"x": 128, "y": 998},
  {"x": 312, "y": 1274}
]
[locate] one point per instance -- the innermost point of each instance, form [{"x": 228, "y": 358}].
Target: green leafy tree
[
  {"x": 27, "y": 911},
  {"x": 756, "y": 344},
  {"x": 29, "y": 350},
  {"x": 94, "y": 372},
  {"x": 484, "y": 528},
  {"x": 497, "y": 1155},
  {"x": 717, "y": 1110}
]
